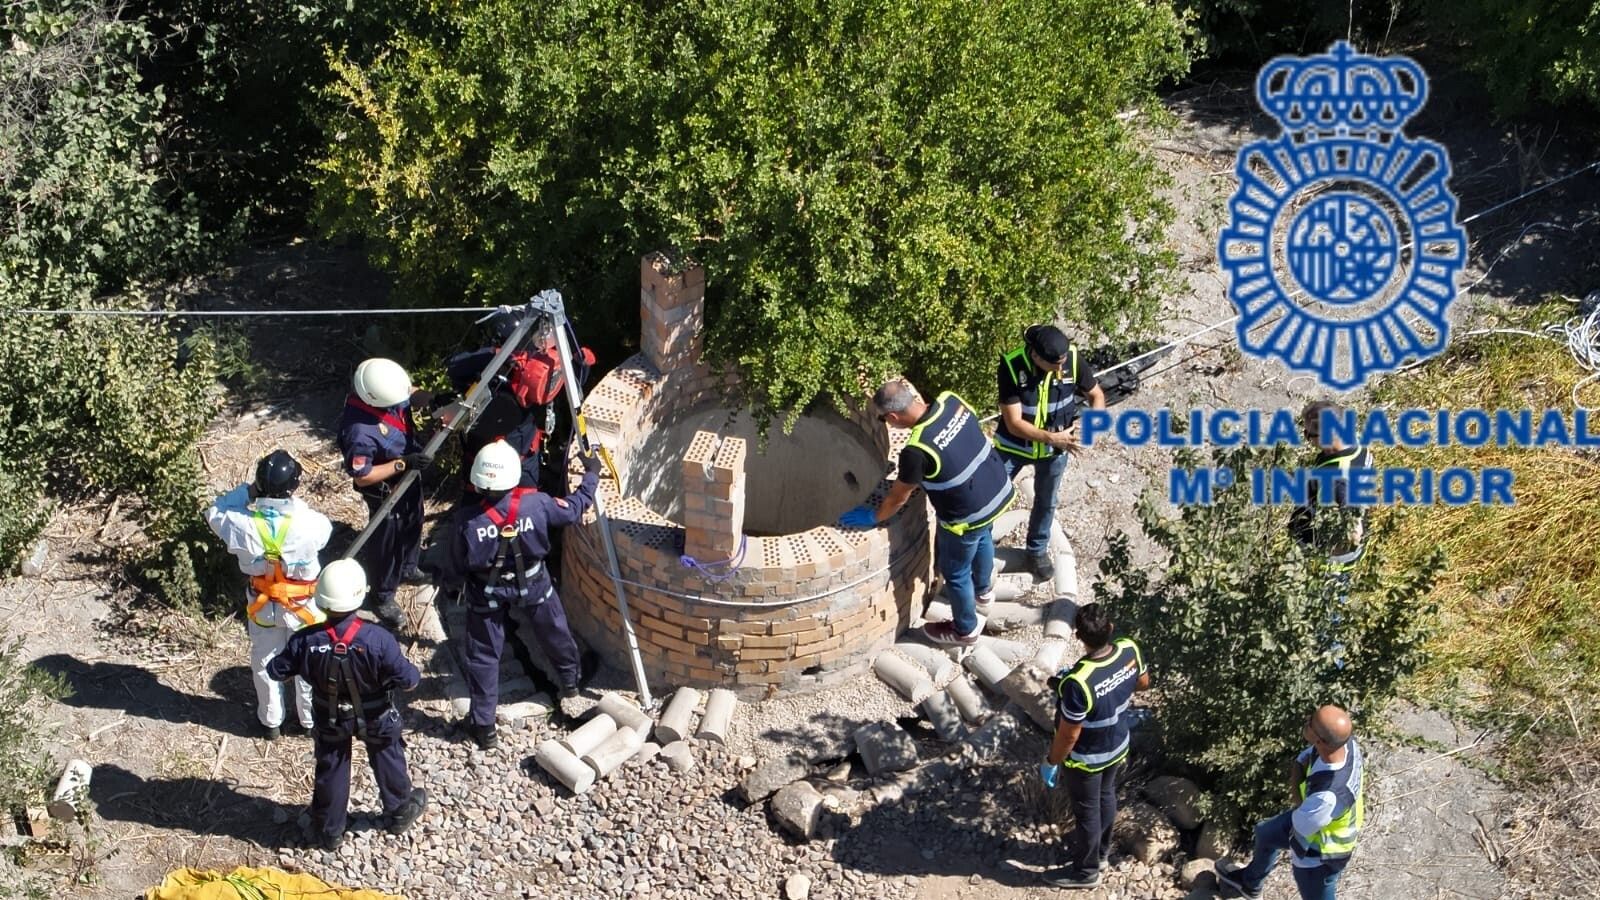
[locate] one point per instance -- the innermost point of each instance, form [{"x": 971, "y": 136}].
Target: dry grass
[{"x": 1519, "y": 636}]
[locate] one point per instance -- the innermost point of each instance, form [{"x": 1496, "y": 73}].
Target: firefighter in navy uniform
[
  {"x": 378, "y": 439},
  {"x": 522, "y": 408},
  {"x": 353, "y": 668},
  {"x": 497, "y": 553}
]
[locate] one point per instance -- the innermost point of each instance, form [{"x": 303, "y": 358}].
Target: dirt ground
[{"x": 164, "y": 710}]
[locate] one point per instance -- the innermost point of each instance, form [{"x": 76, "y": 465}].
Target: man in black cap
[{"x": 1042, "y": 385}]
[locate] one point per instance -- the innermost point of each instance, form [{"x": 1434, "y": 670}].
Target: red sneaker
[{"x": 945, "y": 633}]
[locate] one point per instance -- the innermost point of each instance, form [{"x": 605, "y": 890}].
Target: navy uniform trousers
[
  {"x": 486, "y": 638},
  {"x": 386, "y": 752},
  {"x": 394, "y": 545}
]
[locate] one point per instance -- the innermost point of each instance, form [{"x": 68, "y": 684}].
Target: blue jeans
[
  {"x": 1046, "y": 483},
  {"x": 1275, "y": 836},
  {"x": 967, "y": 563}
]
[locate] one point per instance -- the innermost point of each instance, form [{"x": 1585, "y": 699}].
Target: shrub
[
  {"x": 1231, "y": 629},
  {"x": 872, "y": 185}
]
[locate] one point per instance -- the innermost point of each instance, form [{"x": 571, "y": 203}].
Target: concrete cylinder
[
  {"x": 626, "y": 712},
  {"x": 650, "y": 750},
  {"x": 937, "y": 662},
  {"x": 1066, "y": 577},
  {"x": 971, "y": 704},
  {"x": 617, "y": 749},
  {"x": 942, "y": 712},
  {"x": 675, "y": 719},
  {"x": 719, "y": 713},
  {"x": 1049, "y": 655},
  {"x": 1059, "y": 620},
  {"x": 71, "y": 789},
  {"x": 679, "y": 756},
  {"x": 983, "y": 663},
  {"x": 564, "y": 767},
  {"x": 1009, "y": 521},
  {"x": 1025, "y": 489},
  {"x": 589, "y": 735},
  {"x": 908, "y": 679},
  {"x": 1010, "y": 589},
  {"x": 1058, "y": 539},
  {"x": 1010, "y": 652}
]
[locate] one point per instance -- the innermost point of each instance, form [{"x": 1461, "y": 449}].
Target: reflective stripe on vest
[
  {"x": 1105, "y": 718},
  {"x": 1338, "y": 838},
  {"x": 274, "y": 586},
  {"x": 967, "y": 486},
  {"x": 1035, "y": 411}
]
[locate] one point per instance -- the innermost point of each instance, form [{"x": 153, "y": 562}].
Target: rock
[
  {"x": 766, "y": 778},
  {"x": 1178, "y": 798},
  {"x": 1211, "y": 843},
  {"x": 1197, "y": 873},
  {"x": 33, "y": 566},
  {"x": 1145, "y": 833},
  {"x": 1027, "y": 687},
  {"x": 797, "y": 887},
  {"x": 798, "y": 808},
  {"x": 884, "y": 747}
]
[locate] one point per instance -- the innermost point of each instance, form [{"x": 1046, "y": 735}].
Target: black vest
[{"x": 967, "y": 483}]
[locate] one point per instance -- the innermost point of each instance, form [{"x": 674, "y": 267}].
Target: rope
[
  {"x": 732, "y": 564},
  {"x": 264, "y": 313}
]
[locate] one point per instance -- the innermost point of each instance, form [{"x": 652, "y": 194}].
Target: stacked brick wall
[{"x": 798, "y": 611}]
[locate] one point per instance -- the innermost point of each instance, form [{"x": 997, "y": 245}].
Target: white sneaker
[{"x": 985, "y": 602}]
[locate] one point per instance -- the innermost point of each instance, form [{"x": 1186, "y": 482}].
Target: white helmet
[
  {"x": 381, "y": 383},
  {"x": 342, "y": 586},
  {"x": 497, "y": 468}
]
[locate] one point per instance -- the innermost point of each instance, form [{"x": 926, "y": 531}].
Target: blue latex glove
[
  {"x": 861, "y": 517},
  {"x": 1048, "y": 773}
]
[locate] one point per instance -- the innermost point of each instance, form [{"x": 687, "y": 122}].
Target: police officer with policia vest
[
  {"x": 379, "y": 441},
  {"x": 353, "y": 667},
  {"x": 1320, "y": 831},
  {"x": 1091, "y": 741},
  {"x": 497, "y": 552},
  {"x": 949, "y": 457},
  {"x": 276, "y": 537},
  {"x": 1341, "y": 538},
  {"x": 1042, "y": 384}
]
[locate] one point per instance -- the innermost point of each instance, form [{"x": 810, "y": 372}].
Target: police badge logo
[{"x": 1342, "y": 234}]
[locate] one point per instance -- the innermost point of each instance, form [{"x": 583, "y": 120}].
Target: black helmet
[
  {"x": 277, "y": 475},
  {"x": 503, "y": 324}
]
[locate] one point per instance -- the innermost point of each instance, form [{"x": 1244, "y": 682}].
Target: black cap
[
  {"x": 277, "y": 475},
  {"x": 503, "y": 324},
  {"x": 1048, "y": 341}
]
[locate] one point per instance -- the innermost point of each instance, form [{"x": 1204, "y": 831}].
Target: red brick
[
  {"x": 794, "y": 625},
  {"x": 785, "y": 641}
]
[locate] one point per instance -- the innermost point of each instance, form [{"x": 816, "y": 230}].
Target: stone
[
  {"x": 885, "y": 747},
  {"x": 1027, "y": 686},
  {"x": 765, "y": 779},
  {"x": 1212, "y": 843},
  {"x": 1178, "y": 798},
  {"x": 1197, "y": 873},
  {"x": 798, "y": 808},
  {"x": 1145, "y": 833},
  {"x": 797, "y": 887}
]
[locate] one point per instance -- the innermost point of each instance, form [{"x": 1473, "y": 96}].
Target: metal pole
[
  {"x": 550, "y": 303},
  {"x": 478, "y": 393}
]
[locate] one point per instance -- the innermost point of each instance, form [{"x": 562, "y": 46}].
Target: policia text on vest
[{"x": 1363, "y": 486}]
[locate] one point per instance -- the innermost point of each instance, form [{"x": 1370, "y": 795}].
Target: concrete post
[
  {"x": 675, "y": 719},
  {"x": 679, "y": 756},
  {"x": 946, "y": 719},
  {"x": 623, "y": 745},
  {"x": 672, "y": 297},
  {"x": 564, "y": 767},
  {"x": 713, "y": 497},
  {"x": 908, "y": 679},
  {"x": 990, "y": 670},
  {"x": 971, "y": 704},
  {"x": 589, "y": 735},
  {"x": 938, "y": 663},
  {"x": 1059, "y": 621},
  {"x": 719, "y": 713},
  {"x": 1066, "y": 577},
  {"x": 624, "y": 712}
]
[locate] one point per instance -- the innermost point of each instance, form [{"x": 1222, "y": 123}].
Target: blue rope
[{"x": 732, "y": 563}]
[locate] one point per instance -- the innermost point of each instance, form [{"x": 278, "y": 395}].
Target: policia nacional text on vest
[
  {"x": 1337, "y": 840},
  {"x": 967, "y": 484},
  {"x": 1109, "y": 684},
  {"x": 1049, "y": 403}
]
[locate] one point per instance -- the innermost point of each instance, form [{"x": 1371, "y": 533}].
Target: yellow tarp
[{"x": 245, "y": 883}]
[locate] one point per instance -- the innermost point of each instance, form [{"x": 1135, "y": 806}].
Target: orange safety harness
[{"x": 275, "y": 586}]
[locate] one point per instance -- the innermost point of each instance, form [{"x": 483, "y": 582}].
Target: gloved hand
[
  {"x": 418, "y": 460},
  {"x": 421, "y": 399},
  {"x": 860, "y": 517},
  {"x": 591, "y": 462},
  {"x": 1049, "y": 773}
]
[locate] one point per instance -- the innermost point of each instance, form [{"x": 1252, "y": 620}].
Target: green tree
[
  {"x": 91, "y": 406},
  {"x": 872, "y": 185},
  {"x": 1532, "y": 53},
  {"x": 1235, "y": 629}
]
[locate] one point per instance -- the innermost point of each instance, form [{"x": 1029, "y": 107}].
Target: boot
[{"x": 409, "y": 812}]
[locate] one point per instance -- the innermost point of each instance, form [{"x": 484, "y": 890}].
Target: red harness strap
[
  {"x": 510, "y": 516},
  {"x": 341, "y": 643},
  {"x": 382, "y": 415}
]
